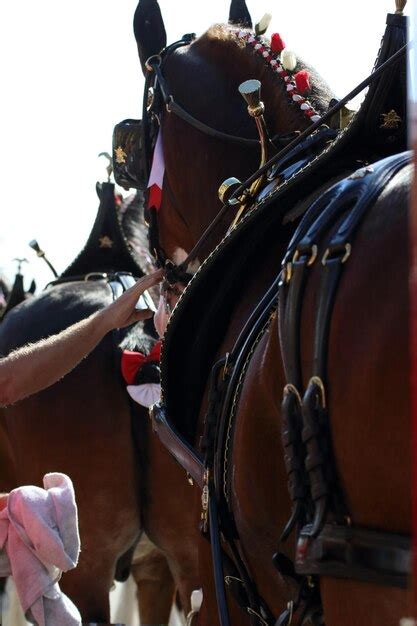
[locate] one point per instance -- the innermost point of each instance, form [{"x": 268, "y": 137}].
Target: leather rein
[{"x": 155, "y": 79}]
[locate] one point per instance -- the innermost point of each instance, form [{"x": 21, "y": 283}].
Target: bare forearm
[{"x": 35, "y": 367}]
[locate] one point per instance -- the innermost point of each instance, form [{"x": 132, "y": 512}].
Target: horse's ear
[
  {"x": 149, "y": 29},
  {"x": 239, "y": 14},
  {"x": 32, "y": 287}
]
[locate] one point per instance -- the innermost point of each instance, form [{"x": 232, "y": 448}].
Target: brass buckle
[
  {"x": 346, "y": 255},
  {"x": 297, "y": 254}
]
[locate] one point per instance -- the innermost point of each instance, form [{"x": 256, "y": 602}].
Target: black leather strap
[
  {"x": 343, "y": 207},
  {"x": 216, "y": 552},
  {"x": 369, "y": 555},
  {"x": 186, "y": 456}
]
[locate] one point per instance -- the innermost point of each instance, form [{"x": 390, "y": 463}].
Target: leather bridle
[
  {"x": 162, "y": 95},
  {"x": 157, "y": 95}
]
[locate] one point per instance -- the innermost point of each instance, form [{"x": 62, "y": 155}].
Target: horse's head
[{"x": 203, "y": 77}]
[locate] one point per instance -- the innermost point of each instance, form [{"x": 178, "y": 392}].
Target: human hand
[{"x": 122, "y": 312}]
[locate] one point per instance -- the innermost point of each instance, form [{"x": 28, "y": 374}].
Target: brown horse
[
  {"x": 86, "y": 427},
  {"x": 203, "y": 77}
]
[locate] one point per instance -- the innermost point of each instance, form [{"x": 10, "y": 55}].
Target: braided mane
[{"x": 225, "y": 46}]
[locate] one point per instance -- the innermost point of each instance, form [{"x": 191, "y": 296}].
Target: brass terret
[{"x": 251, "y": 92}]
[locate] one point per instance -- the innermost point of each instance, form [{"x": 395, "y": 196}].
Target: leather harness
[{"x": 333, "y": 548}]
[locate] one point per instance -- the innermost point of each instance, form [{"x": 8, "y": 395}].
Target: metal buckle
[
  {"x": 313, "y": 252},
  {"x": 168, "y": 104},
  {"x": 346, "y": 255},
  {"x": 155, "y": 59},
  {"x": 95, "y": 276}
]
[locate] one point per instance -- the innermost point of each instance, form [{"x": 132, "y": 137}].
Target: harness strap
[
  {"x": 349, "y": 552},
  {"x": 172, "y": 106},
  {"x": 178, "y": 447},
  {"x": 216, "y": 552},
  {"x": 344, "y": 206}
]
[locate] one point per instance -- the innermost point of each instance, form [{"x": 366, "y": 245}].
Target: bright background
[{"x": 70, "y": 72}]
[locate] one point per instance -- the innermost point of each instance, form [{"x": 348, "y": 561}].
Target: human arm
[{"x": 37, "y": 366}]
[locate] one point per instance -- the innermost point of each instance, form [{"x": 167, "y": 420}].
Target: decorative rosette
[
  {"x": 283, "y": 62},
  {"x": 141, "y": 374}
]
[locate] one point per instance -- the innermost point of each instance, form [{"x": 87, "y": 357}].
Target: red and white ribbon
[
  {"x": 271, "y": 57},
  {"x": 145, "y": 394},
  {"x": 156, "y": 177}
]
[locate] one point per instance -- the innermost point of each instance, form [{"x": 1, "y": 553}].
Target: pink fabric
[{"x": 39, "y": 540}]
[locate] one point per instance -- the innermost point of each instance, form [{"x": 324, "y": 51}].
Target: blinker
[{"x": 128, "y": 155}]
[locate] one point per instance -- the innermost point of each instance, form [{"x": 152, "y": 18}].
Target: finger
[
  {"x": 143, "y": 315},
  {"x": 149, "y": 280}
]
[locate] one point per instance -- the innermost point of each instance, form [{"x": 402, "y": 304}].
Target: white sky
[{"x": 70, "y": 72}]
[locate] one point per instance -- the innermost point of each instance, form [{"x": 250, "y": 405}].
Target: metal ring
[{"x": 156, "y": 59}]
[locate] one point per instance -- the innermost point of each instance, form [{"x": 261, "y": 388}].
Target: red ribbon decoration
[
  {"x": 155, "y": 197},
  {"x": 133, "y": 361},
  {"x": 277, "y": 43}
]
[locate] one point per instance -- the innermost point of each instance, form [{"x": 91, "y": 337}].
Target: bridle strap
[
  {"x": 154, "y": 64},
  {"x": 277, "y": 157}
]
